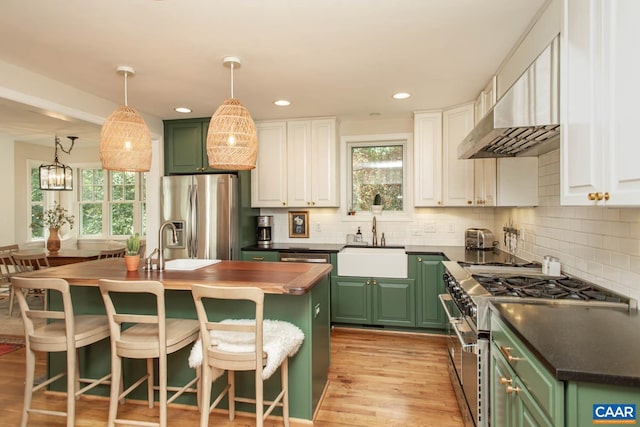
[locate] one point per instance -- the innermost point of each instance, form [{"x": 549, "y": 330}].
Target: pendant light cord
[
  {"x": 232, "y": 64},
  {"x": 125, "y": 89}
]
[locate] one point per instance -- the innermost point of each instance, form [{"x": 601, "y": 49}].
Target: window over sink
[{"x": 377, "y": 165}]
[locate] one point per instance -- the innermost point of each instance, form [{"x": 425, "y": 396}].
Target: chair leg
[
  {"x": 162, "y": 380},
  {"x": 205, "y": 394},
  {"x": 72, "y": 366},
  {"x": 116, "y": 387},
  {"x": 231, "y": 395},
  {"x": 259, "y": 400},
  {"x": 284, "y": 378},
  {"x": 150, "y": 382},
  {"x": 12, "y": 294},
  {"x": 28, "y": 385}
]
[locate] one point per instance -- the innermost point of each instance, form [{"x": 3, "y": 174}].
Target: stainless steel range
[{"x": 470, "y": 289}]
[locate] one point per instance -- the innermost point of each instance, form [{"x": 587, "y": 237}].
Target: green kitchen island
[{"x": 295, "y": 292}]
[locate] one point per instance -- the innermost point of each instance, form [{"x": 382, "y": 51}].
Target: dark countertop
[
  {"x": 452, "y": 253},
  {"x": 577, "y": 343}
]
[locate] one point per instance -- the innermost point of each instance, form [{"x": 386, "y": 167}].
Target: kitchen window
[
  {"x": 377, "y": 167},
  {"x": 36, "y": 202},
  {"x": 111, "y": 203}
]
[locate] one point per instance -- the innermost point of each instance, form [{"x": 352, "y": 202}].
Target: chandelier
[{"x": 57, "y": 176}]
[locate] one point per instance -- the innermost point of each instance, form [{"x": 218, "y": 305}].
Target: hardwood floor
[{"x": 375, "y": 380}]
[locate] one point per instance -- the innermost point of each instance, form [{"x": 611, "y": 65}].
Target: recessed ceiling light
[
  {"x": 401, "y": 95},
  {"x": 282, "y": 103},
  {"x": 183, "y": 109}
]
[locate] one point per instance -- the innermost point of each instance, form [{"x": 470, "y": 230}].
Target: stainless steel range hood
[{"x": 525, "y": 121}]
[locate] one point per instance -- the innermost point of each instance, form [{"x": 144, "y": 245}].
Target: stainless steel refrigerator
[{"x": 204, "y": 210}]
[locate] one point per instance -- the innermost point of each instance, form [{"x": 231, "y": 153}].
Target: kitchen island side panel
[{"x": 308, "y": 369}]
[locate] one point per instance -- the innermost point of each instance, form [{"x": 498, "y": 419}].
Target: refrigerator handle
[{"x": 193, "y": 240}]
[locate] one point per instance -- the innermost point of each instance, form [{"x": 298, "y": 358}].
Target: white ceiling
[{"x": 328, "y": 57}]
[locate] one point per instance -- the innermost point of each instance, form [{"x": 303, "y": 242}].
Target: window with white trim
[
  {"x": 36, "y": 202},
  {"x": 111, "y": 203},
  {"x": 377, "y": 167}
]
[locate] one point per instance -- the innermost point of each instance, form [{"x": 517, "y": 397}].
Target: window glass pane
[
  {"x": 123, "y": 186},
  {"x": 91, "y": 219},
  {"x": 144, "y": 219},
  {"x": 92, "y": 182},
  {"x": 121, "y": 219},
  {"x": 37, "y": 195},
  {"x": 377, "y": 170},
  {"x": 37, "y": 232}
]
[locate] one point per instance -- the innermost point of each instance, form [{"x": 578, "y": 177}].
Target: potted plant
[
  {"x": 53, "y": 219},
  {"x": 376, "y": 208},
  {"x": 132, "y": 256}
]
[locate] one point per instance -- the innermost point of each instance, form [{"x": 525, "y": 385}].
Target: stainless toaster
[{"x": 478, "y": 238}]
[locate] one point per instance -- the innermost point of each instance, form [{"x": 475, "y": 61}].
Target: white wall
[{"x": 7, "y": 211}]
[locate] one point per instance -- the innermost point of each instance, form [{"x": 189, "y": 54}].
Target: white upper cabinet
[
  {"x": 297, "y": 164},
  {"x": 312, "y": 163},
  {"x": 427, "y": 148},
  {"x": 600, "y": 92},
  {"x": 269, "y": 178},
  {"x": 458, "y": 175}
]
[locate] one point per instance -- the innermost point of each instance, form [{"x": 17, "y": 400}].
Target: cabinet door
[
  {"x": 393, "y": 302},
  {"x": 269, "y": 178},
  {"x": 458, "y": 175},
  {"x": 581, "y": 149},
  {"x": 185, "y": 146},
  {"x": 484, "y": 182},
  {"x": 299, "y": 161},
  {"x": 351, "y": 300},
  {"x": 323, "y": 164},
  {"x": 429, "y": 285},
  {"x": 427, "y": 148},
  {"x": 501, "y": 403},
  {"x": 622, "y": 61}
]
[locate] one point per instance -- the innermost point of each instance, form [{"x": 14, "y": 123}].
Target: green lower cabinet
[
  {"x": 373, "y": 301},
  {"x": 585, "y": 398},
  {"x": 511, "y": 403},
  {"x": 427, "y": 270},
  {"x": 260, "y": 256}
]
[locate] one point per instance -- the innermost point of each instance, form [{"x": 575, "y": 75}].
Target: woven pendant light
[
  {"x": 232, "y": 140},
  {"x": 125, "y": 140}
]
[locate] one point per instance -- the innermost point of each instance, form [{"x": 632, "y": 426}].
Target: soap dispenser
[{"x": 359, "y": 236}]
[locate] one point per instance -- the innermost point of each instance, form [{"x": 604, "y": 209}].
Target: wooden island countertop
[{"x": 272, "y": 277}]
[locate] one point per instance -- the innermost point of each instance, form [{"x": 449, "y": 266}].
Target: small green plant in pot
[
  {"x": 376, "y": 207},
  {"x": 132, "y": 258},
  {"x": 133, "y": 244}
]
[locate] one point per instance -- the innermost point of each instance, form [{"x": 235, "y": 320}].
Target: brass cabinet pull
[
  {"x": 506, "y": 353},
  {"x": 375, "y": 282},
  {"x": 598, "y": 196},
  {"x": 284, "y": 203},
  {"x": 511, "y": 389},
  {"x": 368, "y": 282},
  {"x": 258, "y": 258},
  {"x": 504, "y": 381},
  {"x": 419, "y": 259},
  {"x": 469, "y": 202},
  {"x": 606, "y": 196}
]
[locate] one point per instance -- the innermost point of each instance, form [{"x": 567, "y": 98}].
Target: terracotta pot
[
  {"x": 132, "y": 262},
  {"x": 53, "y": 242}
]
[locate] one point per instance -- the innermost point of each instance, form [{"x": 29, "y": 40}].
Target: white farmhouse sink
[
  {"x": 188, "y": 263},
  {"x": 372, "y": 262}
]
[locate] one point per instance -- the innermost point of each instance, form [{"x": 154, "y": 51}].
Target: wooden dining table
[{"x": 64, "y": 256}]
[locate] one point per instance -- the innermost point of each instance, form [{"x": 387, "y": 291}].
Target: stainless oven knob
[{"x": 473, "y": 310}]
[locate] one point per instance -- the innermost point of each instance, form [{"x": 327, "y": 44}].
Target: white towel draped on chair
[{"x": 280, "y": 339}]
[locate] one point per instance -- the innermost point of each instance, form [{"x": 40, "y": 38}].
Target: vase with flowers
[
  {"x": 53, "y": 219},
  {"x": 132, "y": 255}
]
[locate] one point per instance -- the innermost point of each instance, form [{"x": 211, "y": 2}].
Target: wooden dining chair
[
  {"x": 147, "y": 336},
  {"x": 215, "y": 358},
  {"x": 112, "y": 253},
  {"x": 64, "y": 331},
  {"x": 31, "y": 262},
  {"x": 7, "y": 269}
]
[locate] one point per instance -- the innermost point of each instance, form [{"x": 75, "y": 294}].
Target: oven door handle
[
  {"x": 443, "y": 301},
  {"x": 467, "y": 347}
]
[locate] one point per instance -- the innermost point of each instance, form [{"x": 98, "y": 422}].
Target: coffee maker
[{"x": 263, "y": 231}]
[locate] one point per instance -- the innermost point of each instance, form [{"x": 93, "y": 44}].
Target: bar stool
[
  {"x": 66, "y": 332},
  {"x": 151, "y": 336},
  {"x": 31, "y": 262},
  {"x": 252, "y": 357}
]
